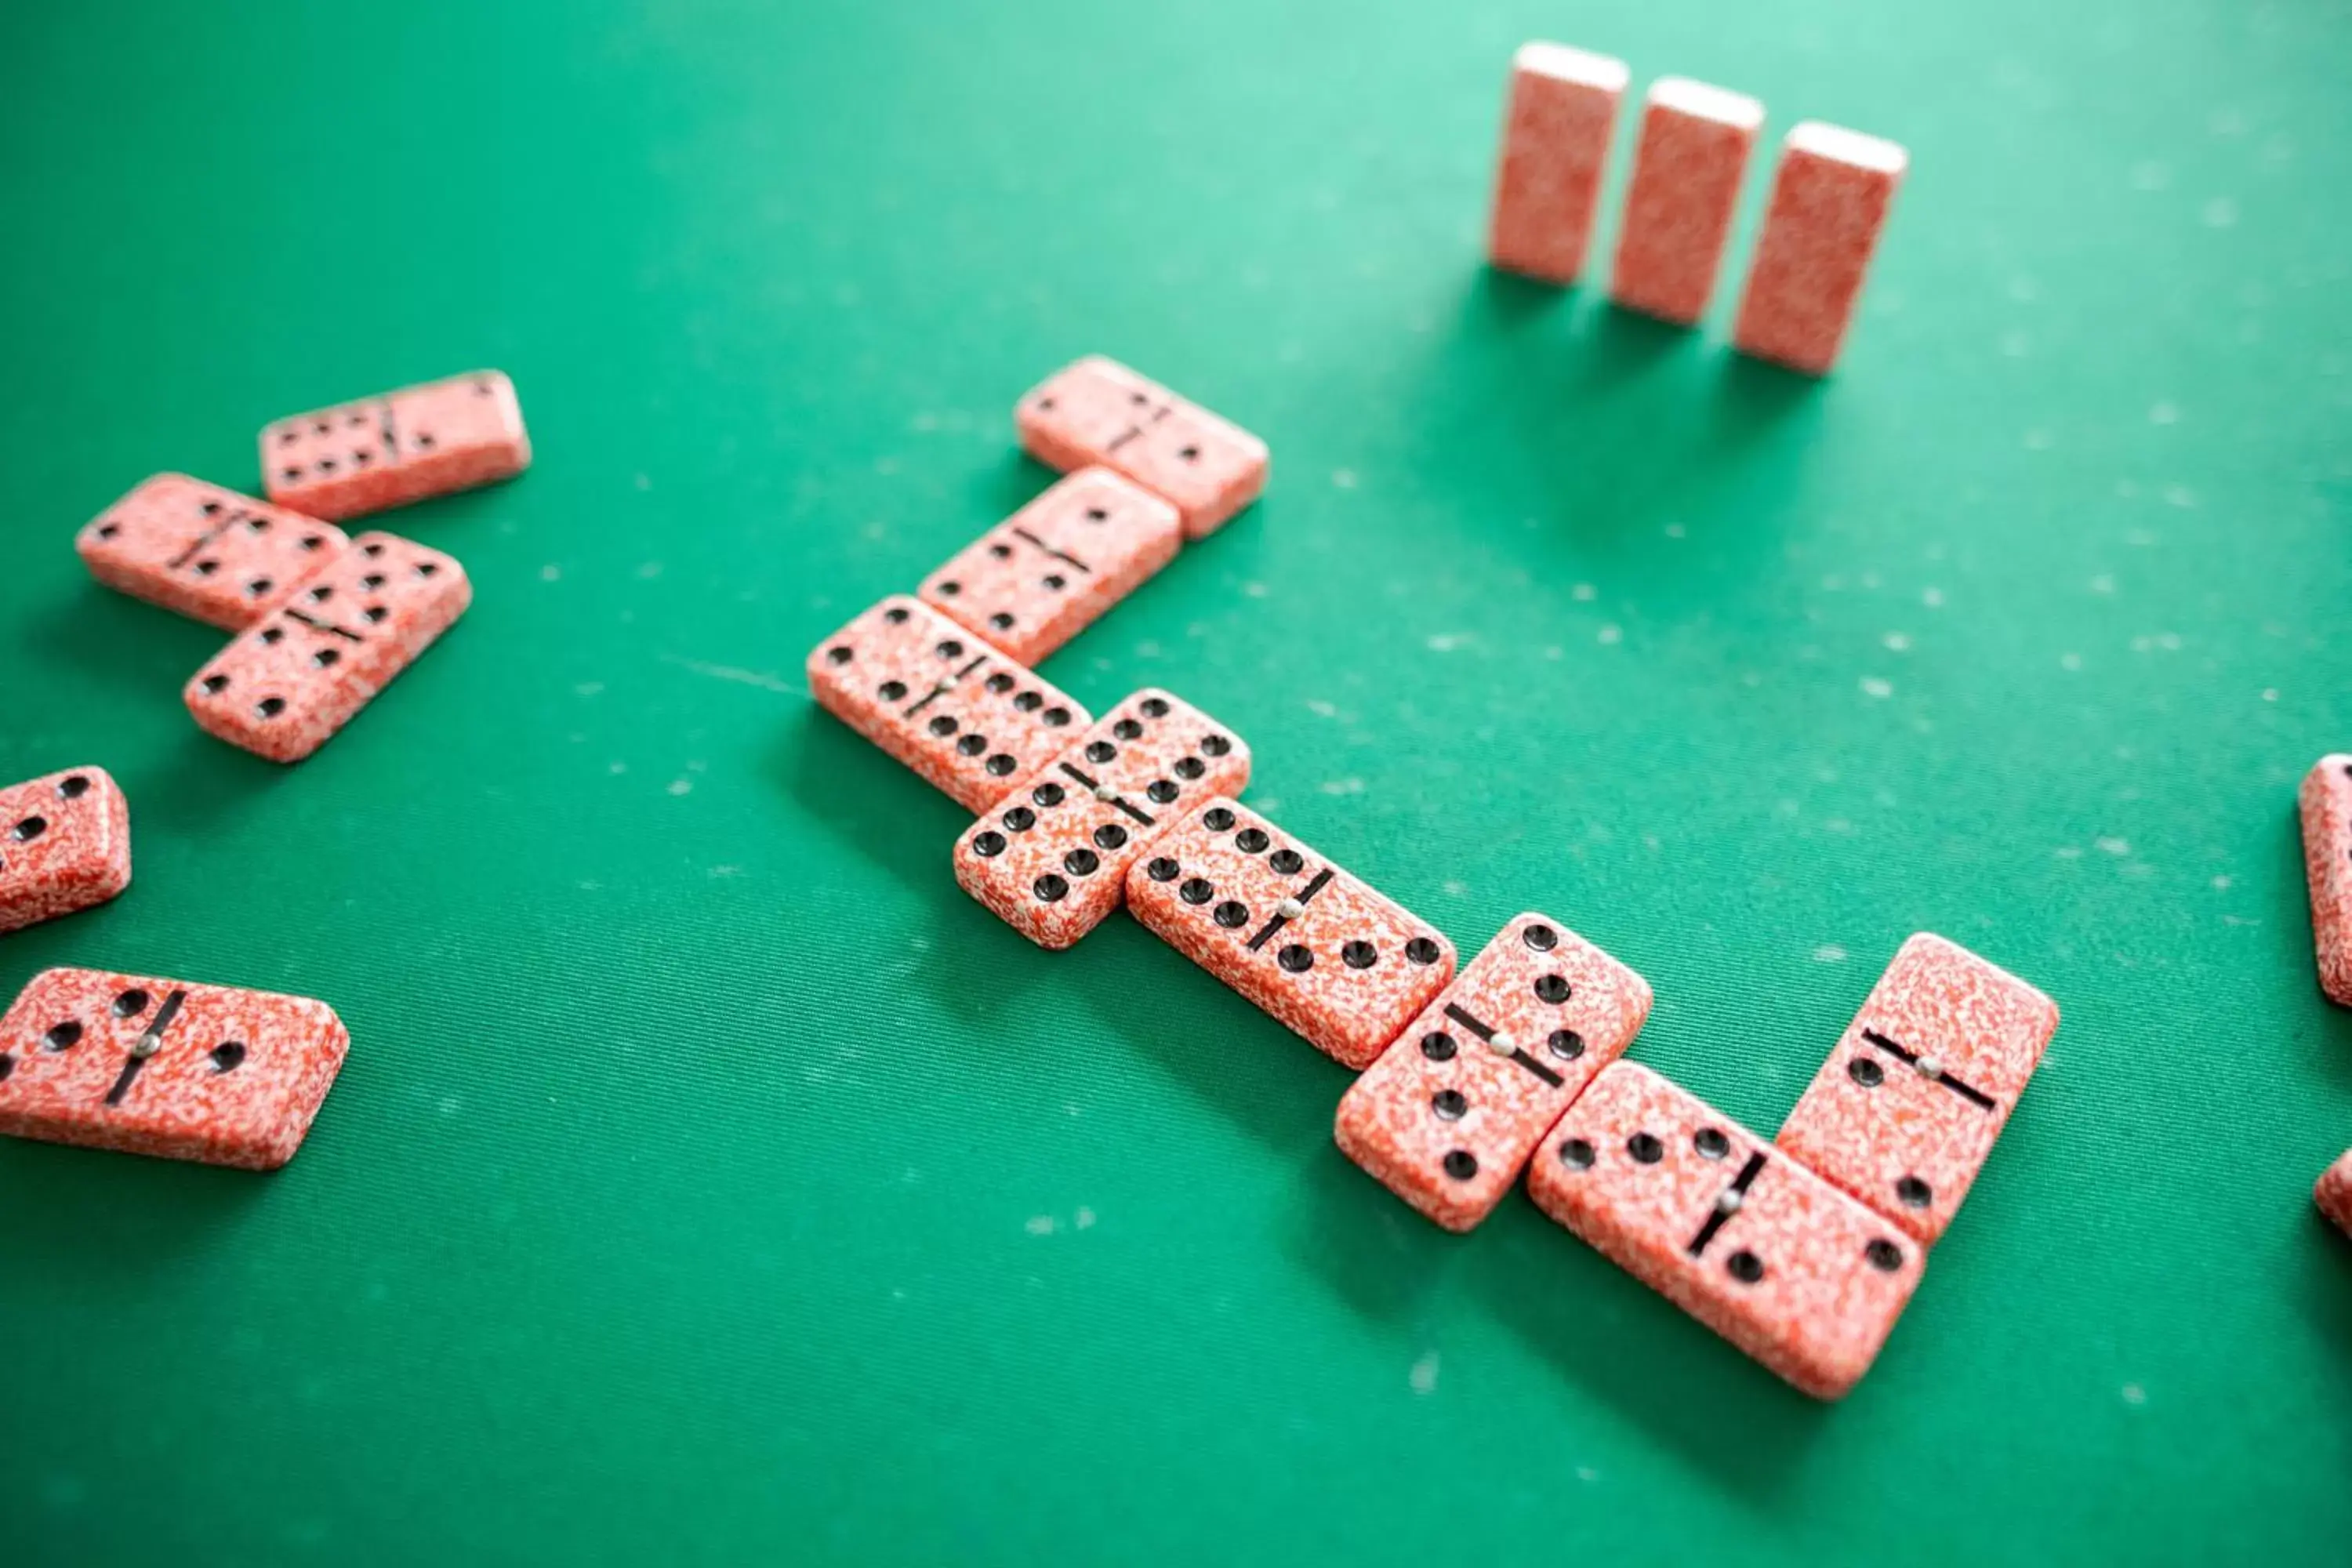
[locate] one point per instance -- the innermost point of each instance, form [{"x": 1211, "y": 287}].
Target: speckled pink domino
[
  {"x": 1728, "y": 1229},
  {"x": 209, "y": 553},
  {"x": 1097, "y": 410},
  {"x": 283, "y": 690},
  {"x": 399, "y": 448},
  {"x": 166, "y": 1068},
  {"x": 1448, "y": 1115},
  {"x": 1904, "y": 1113},
  {"x": 1051, "y": 858},
  {"x": 2327, "y": 809},
  {"x": 65, "y": 845},
  {"x": 933, "y": 695},
  {"x": 1050, "y": 570},
  {"x": 1555, "y": 131},
  {"x": 1687, "y": 174},
  {"x": 1331, "y": 960},
  {"x": 1829, "y": 202},
  {"x": 2333, "y": 1192}
]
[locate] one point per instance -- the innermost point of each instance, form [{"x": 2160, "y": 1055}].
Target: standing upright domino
[
  {"x": 1044, "y": 575},
  {"x": 1097, "y": 410},
  {"x": 1051, "y": 858},
  {"x": 1905, "y": 1111},
  {"x": 163, "y": 1068},
  {"x": 284, "y": 689},
  {"x": 1448, "y": 1115},
  {"x": 398, "y": 447},
  {"x": 1720, "y": 1223},
  {"x": 65, "y": 846},
  {"x": 1556, "y": 132},
  {"x": 1829, "y": 199},
  {"x": 2325, "y": 802},
  {"x": 2333, "y": 1192},
  {"x": 1331, "y": 960},
  {"x": 212, "y": 555},
  {"x": 969, "y": 720},
  {"x": 1687, "y": 169}
]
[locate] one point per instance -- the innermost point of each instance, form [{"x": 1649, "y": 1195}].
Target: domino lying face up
[
  {"x": 1448, "y": 1116},
  {"x": 945, "y": 703},
  {"x": 165, "y": 1067},
  {"x": 65, "y": 846},
  {"x": 1326, "y": 956},
  {"x": 210, "y": 553},
  {"x": 1097, "y": 411},
  {"x": 1727, "y": 1228},
  {"x": 1905, "y": 1111},
  {"x": 1050, "y": 570},
  {"x": 285, "y": 687},
  {"x": 1052, "y": 858}
]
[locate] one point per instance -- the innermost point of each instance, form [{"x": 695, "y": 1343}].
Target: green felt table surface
[{"x": 712, "y": 1181}]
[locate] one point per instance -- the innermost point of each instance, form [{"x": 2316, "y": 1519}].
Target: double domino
[
  {"x": 1448, "y": 1115},
  {"x": 398, "y": 447},
  {"x": 164, "y": 1067}
]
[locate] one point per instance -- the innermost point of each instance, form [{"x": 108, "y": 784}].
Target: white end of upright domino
[
  {"x": 1579, "y": 67},
  {"x": 1697, "y": 99},
  {"x": 1840, "y": 145}
]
